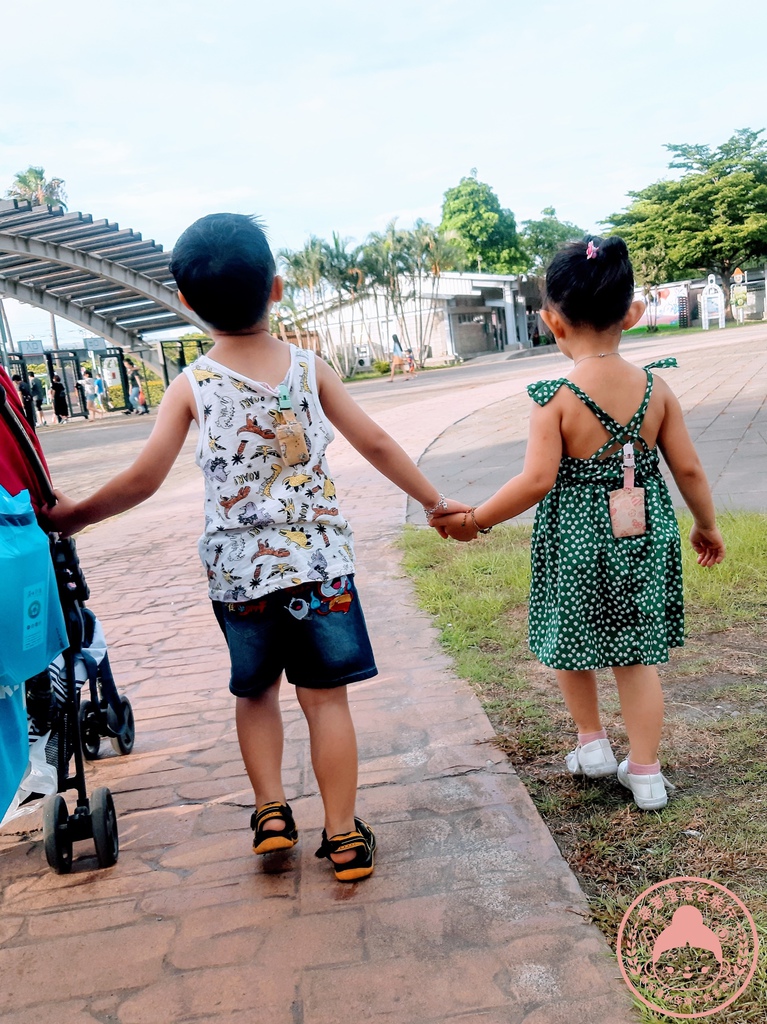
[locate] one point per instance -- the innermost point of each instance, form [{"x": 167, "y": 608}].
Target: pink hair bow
[{"x": 591, "y": 251}]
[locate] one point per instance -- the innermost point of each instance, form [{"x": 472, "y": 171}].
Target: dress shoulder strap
[{"x": 544, "y": 390}]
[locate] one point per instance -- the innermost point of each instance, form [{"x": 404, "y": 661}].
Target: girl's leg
[
  {"x": 579, "y": 690},
  {"x": 260, "y": 733},
  {"x": 333, "y": 745},
  {"x": 641, "y": 699}
]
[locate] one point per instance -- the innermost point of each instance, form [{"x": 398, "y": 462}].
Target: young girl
[{"x": 598, "y": 600}]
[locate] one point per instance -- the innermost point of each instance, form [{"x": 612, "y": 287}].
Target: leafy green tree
[
  {"x": 486, "y": 232},
  {"x": 33, "y": 186},
  {"x": 712, "y": 219},
  {"x": 543, "y": 238}
]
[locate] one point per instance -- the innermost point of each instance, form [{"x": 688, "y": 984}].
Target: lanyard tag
[{"x": 283, "y": 397}]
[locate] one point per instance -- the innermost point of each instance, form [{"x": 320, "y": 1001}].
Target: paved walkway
[{"x": 472, "y": 915}]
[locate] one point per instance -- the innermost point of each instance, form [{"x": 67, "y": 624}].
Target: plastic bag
[
  {"x": 39, "y": 779},
  {"x": 32, "y": 628}
]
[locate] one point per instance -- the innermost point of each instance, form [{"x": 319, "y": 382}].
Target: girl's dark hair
[
  {"x": 224, "y": 269},
  {"x": 593, "y": 291}
]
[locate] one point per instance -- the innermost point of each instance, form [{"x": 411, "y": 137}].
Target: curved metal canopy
[{"x": 105, "y": 279}]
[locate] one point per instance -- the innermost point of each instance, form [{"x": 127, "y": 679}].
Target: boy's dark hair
[
  {"x": 591, "y": 291},
  {"x": 224, "y": 268},
  {"x": 16, "y": 378}
]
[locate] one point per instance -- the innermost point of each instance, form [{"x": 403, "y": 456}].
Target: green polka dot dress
[{"x": 597, "y": 600}]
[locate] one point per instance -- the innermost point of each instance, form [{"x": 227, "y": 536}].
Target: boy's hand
[
  {"x": 63, "y": 517},
  {"x": 457, "y": 525},
  {"x": 708, "y": 544},
  {"x": 453, "y": 507}
]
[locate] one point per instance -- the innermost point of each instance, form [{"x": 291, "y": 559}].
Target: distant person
[
  {"x": 27, "y": 400},
  {"x": 100, "y": 393},
  {"x": 38, "y": 394},
  {"x": 606, "y": 589},
  {"x": 399, "y": 359},
  {"x": 134, "y": 389},
  {"x": 58, "y": 396},
  {"x": 278, "y": 553},
  {"x": 88, "y": 384}
]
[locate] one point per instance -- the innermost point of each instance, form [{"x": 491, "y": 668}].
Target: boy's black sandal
[
  {"x": 362, "y": 841},
  {"x": 267, "y": 840}
]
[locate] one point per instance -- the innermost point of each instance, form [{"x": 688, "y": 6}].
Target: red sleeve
[{"x": 15, "y": 472}]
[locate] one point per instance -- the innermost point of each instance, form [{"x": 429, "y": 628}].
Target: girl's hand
[
  {"x": 708, "y": 544},
  {"x": 457, "y": 525}
]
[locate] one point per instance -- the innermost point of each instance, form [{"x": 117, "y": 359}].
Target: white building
[{"x": 456, "y": 316}]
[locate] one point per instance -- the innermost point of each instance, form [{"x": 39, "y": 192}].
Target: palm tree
[{"x": 31, "y": 185}]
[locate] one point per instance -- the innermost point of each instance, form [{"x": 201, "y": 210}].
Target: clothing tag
[{"x": 629, "y": 462}]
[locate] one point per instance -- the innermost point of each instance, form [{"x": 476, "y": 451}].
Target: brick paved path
[{"x": 472, "y": 915}]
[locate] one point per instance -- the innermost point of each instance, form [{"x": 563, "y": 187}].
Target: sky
[{"x": 339, "y": 116}]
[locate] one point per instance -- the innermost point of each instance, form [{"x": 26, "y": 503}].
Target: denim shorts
[{"x": 314, "y": 632}]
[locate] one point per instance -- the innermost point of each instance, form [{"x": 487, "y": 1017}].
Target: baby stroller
[{"x": 54, "y": 702}]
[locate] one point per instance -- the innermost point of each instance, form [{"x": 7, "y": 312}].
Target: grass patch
[{"x": 714, "y": 737}]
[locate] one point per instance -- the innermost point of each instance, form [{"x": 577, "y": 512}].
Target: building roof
[{"x": 105, "y": 279}]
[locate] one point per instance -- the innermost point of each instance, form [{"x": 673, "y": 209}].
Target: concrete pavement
[{"x": 472, "y": 915}]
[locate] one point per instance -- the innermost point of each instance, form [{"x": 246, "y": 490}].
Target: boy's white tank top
[{"x": 268, "y": 525}]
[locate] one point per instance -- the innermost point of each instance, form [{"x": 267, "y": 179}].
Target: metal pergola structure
[{"x": 105, "y": 279}]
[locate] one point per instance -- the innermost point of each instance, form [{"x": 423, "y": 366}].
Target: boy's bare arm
[
  {"x": 372, "y": 441},
  {"x": 141, "y": 479}
]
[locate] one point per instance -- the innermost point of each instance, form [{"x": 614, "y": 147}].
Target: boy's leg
[
  {"x": 334, "y": 757},
  {"x": 579, "y": 690},
  {"x": 260, "y": 734},
  {"x": 641, "y": 699}
]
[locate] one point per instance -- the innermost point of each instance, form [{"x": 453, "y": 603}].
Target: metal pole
[{"x": 3, "y": 339}]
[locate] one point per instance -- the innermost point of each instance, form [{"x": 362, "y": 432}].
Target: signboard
[
  {"x": 96, "y": 344},
  {"x": 739, "y": 295},
  {"x": 31, "y": 348}
]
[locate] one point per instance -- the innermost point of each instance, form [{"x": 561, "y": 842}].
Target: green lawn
[{"x": 714, "y": 745}]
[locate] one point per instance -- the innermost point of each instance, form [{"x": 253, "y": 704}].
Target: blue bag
[
  {"x": 32, "y": 629},
  {"x": 14, "y": 740}
]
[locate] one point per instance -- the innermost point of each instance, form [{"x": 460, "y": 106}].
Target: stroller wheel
[
  {"x": 104, "y": 824},
  {"x": 89, "y": 730},
  {"x": 56, "y": 837},
  {"x": 124, "y": 738}
]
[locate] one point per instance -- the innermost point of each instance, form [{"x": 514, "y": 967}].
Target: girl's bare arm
[{"x": 687, "y": 470}]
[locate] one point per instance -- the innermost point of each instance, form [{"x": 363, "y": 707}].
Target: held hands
[
  {"x": 454, "y": 519},
  {"x": 708, "y": 544},
  {"x": 457, "y": 525}
]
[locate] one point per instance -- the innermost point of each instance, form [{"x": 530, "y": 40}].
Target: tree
[
  {"x": 487, "y": 233},
  {"x": 712, "y": 219},
  {"x": 543, "y": 238},
  {"x": 32, "y": 185}
]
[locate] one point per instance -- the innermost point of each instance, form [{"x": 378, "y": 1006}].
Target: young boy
[{"x": 277, "y": 549}]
